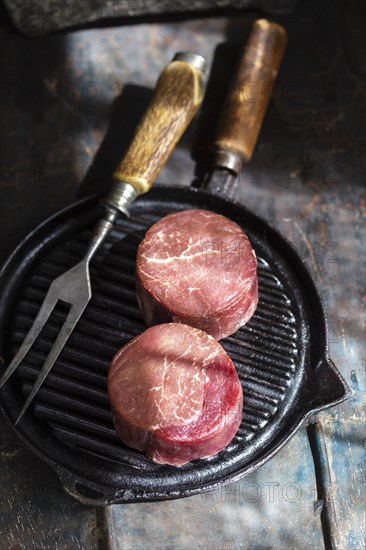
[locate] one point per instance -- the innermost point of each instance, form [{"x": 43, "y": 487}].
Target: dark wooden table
[{"x": 59, "y": 95}]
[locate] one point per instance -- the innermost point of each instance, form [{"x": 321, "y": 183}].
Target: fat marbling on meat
[
  {"x": 175, "y": 394},
  {"x": 197, "y": 267}
]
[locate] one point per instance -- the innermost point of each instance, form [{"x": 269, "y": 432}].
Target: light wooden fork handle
[{"x": 178, "y": 94}]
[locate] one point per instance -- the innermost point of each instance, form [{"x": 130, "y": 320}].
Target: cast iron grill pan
[{"x": 281, "y": 354}]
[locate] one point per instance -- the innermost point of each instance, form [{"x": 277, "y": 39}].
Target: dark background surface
[{"x": 69, "y": 98}]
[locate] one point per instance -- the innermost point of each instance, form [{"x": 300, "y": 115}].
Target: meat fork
[{"x": 178, "y": 94}]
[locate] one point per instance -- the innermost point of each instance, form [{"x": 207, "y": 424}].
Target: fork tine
[
  {"x": 65, "y": 332},
  {"x": 38, "y": 324}
]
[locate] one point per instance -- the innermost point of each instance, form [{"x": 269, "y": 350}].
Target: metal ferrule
[
  {"x": 119, "y": 198},
  {"x": 192, "y": 58},
  {"x": 227, "y": 159},
  {"x": 121, "y": 195}
]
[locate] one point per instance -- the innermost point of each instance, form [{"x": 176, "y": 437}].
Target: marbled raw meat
[
  {"x": 197, "y": 267},
  {"x": 175, "y": 394}
]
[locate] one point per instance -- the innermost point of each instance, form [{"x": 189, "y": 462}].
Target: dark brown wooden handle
[
  {"x": 249, "y": 95},
  {"x": 178, "y": 94}
]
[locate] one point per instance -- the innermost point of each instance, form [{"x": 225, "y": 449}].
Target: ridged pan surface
[{"x": 70, "y": 425}]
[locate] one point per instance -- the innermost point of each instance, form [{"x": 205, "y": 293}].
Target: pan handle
[
  {"x": 248, "y": 98},
  {"x": 178, "y": 94}
]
